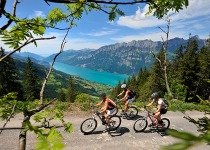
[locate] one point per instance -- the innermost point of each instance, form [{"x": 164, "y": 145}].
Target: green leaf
[
  {"x": 30, "y": 127},
  {"x": 183, "y": 135},
  {"x": 41, "y": 115},
  {"x": 51, "y": 141},
  {"x": 177, "y": 146},
  {"x": 69, "y": 127},
  {"x": 112, "y": 16},
  {"x": 119, "y": 12}
]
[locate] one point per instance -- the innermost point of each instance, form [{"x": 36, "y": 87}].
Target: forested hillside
[
  {"x": 57, "y": 85},
  {"x": 188, "y": 75}
]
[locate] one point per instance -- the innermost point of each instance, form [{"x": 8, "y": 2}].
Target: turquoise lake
[{"x": 92, "y": 75}]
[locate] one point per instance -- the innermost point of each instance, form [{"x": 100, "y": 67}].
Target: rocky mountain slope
[{"x": 124, "y": 58}]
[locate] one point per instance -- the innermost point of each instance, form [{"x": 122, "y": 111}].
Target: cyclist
[
  {"x": 129, "y": 97},
  {"x": 161, "y": 106},
  {"x": 107, "y": 109}
]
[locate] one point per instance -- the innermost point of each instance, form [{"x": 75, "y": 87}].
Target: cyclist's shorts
[
  {"x": 109, "y": 112},
  {"x": 130, "y": 99},
  {"x": 163, "y": 110}
]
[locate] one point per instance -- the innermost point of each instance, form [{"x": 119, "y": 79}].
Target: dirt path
[{"x": 123, "y": 139}]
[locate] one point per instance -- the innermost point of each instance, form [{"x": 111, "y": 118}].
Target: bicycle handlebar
[
  {"x": 117, "y": 99},
  {"x": 95, "y": 110},
  {"x": 145, "y": 107}
]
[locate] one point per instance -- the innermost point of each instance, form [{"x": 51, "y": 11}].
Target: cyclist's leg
[
  {"x": 124, "y": 100},
  {"x": 158, "y": 117},
  {"x": 108, "y": 112},
  {"x": 126, "y": 107},
  {"x": 129, "y": 100}
]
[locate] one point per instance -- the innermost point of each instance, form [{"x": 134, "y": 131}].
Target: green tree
[
  {"x": 142, "y": 78},
  {"x": 71, "y": 91},
  {"x": 159, "y": 81},
  {"x": 8, "y": 77},
  {"x": 62, "y": 95},
  {"x": 83, "y": 100},
  {"x": 178, "y": 89},
  {"x": 30, "y": 82},
  {"x": 147, "y": 88},
  {"x": 116, "y": 90},
  {"x": 133, "y": 82},
  {"x": 188, "y": 69},
  {"x": 203, "y": 87}
]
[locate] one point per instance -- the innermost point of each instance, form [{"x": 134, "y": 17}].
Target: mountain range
[{"x": 123, "y": 58}]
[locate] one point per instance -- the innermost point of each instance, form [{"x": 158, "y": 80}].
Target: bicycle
[
  {"x": 131, "y": 112},
  {"x": 90, "y": 124},
  {"x": 141, "y": 123}
]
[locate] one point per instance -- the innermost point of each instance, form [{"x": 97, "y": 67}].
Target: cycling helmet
[
  {"x": 103, "y": 95},
  {"x": 154, "y": 95},
  {"x": 123, "y": 86}
]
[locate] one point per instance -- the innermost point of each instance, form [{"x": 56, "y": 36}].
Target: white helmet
[{"x": 123, "y": 86}]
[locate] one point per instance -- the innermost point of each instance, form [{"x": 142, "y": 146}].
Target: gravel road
[{"x": 123, "y": 139}]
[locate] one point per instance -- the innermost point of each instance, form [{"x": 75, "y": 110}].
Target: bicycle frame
[
  {"x": 97, "y": 113},
  {"x": 150, "y": 116},
  {"x": 119, "y": 103}
]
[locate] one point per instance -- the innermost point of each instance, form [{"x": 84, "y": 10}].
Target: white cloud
[
  {"x": 104, "y": 31},
  {"x": 139, "y": 20},
  {"x": 37, "y": 14},
  {"x": 154, "y": 36},
  {"x": 48, "y": 47},
  {"x": 193, "y": 19},
  {"x": 195, "y": 10}
]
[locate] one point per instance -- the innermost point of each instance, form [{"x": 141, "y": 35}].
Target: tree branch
[
  {"x": 162, "y": 30},
  {"x": 40, "y": 108},
  {"x": 24, "y": 44},
  {"x": 8, "y": 119},
  {"x": 51, "y": 67},
  {"x": 99, "y": 8},
  {"x": 160, "y": 63},
  {"x": 19, "y": 128},
  {"x": 13, "y": 14},
  {"x": 102, "y": 1}
]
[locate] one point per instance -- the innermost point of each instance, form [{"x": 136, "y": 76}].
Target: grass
[
  {"x": 178, "y": 105},
  {"x": 175, "y": 105}
]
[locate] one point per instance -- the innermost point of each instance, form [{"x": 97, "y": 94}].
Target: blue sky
[{"x": 95, "y": 30}]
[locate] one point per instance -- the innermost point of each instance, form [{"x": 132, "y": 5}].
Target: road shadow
[
  {"x": 162, "y": 132},
  {"x": 113, "y": 132},
  {"x": 96, "y": 132},
  {"x": 119, "y": 132},
  {"x": 132, "y": 118}
]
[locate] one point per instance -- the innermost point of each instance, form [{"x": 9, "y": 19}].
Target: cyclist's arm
[
  {"x": 124, "y": 98},
  {"x": 99, "y": 104},
  {"x": 121, "y": 93},
  {"x": 105, "y": 107},
  {"x": 150, "y": 104},
  {"x": 159, "y": 108}
]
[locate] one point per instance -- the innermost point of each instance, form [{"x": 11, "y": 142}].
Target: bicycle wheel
[
  {"x": 115, "y": 122},
  {"x": 165, "y": 125},
  {"x": 88, "y": 125},
  {"x": 140, "y": 125},
  {"x": 132, "y": 111}
]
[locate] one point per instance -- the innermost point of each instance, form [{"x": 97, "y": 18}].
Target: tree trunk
[
  {"x": 22, "y": 140},
  {"x": 167, "y": 84},
  {"x": 22, "y": 136}
]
